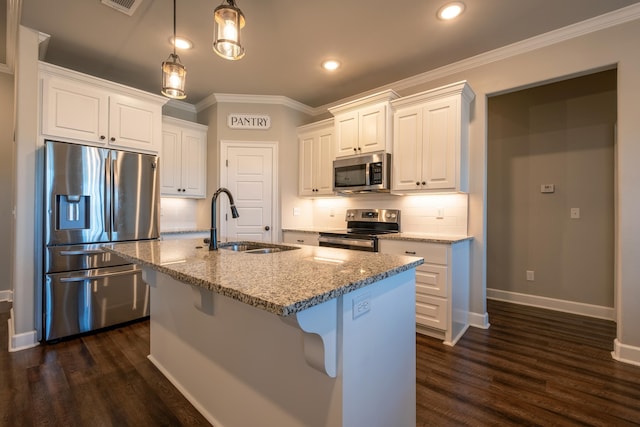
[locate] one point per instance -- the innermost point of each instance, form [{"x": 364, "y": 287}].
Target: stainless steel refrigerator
[{"x": 94, "y": 196}]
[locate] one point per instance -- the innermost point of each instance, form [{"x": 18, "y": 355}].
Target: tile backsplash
[
  {"x": 178, "y": 214},
  {"x": 441, "y": 214}
]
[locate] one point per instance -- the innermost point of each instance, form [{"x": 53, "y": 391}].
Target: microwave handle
[{"x": 367, "y": 173}]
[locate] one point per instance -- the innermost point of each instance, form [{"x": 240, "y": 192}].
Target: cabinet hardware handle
[
  {"x": 424, "y": 183},
  {"x": 417, "y": 183},
  {"x": 355, "y": 149},
  {"x": 410, "y": 252},
  {"x": 113, "y": 138},
  {"x": 102, "y": 137},
  {"x": 300, "y": 241},
  {"x": 359, "y": 148},
  {"x": 267, "y": 228}
]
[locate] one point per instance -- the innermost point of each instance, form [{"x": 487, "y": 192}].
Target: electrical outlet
[
  {"x": 530, "y": 275},
  {"x": 296, "y": 211},
  {"x": 361, "y": 305},
  {"x": 440, "y": 213},
  {"x": 332, "y": 212},
  {"x": 575, "y": 213}
]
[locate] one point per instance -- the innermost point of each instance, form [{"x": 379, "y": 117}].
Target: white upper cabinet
[
  {"x": 364, "y": 125},
  {"x": 81, "y": 108},
  {"x": 316, "y": 159},
  {"x": 183, "y": 159},
  {"x": 431, "y": 140}
]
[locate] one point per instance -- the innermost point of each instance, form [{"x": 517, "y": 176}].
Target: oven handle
[{"x": 347, "y": 242}]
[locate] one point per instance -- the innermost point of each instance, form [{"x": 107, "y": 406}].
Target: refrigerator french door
[{"x": 94, "y": 196}]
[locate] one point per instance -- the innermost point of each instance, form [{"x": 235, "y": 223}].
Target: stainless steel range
[{"x": 363, "y": 227}]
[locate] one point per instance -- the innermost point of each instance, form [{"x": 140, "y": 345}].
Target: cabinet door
[
  {"x": 134, "y": 124},
  {"x": 441, "y": 135},
  {"x": 407, "y": 149},
  {"x": 194, "y": 153},
  {"x": 346, "y": 129},
  {"x": 74, "y": 110},
  {"x": 171, "y": 162},
  {"x": 372, "y": 129},
  {"x": 324, "y": 164},
  {"x": 307, "y": 165}
]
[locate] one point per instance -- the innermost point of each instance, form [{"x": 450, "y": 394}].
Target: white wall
[{"x": 6, "y": 184}]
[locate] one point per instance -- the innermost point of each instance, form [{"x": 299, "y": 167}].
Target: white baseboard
[
  {"x": 22, "y": 341},
  {"x": 479, "y": 320},
  {"x": 6, "y": 296},
  {"x": 597, "y": 311},
  {"x": 625, "y": 353}
]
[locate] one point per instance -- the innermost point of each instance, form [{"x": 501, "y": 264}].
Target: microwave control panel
[{"x": 375, "y": 173}]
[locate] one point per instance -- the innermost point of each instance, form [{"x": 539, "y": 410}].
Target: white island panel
[{"x": 240, "y": 365}]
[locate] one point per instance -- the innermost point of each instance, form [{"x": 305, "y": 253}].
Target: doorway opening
[{"x": 551, "y": 195}]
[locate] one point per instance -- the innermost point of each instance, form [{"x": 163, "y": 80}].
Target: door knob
[{"x": 267, "y": 228}]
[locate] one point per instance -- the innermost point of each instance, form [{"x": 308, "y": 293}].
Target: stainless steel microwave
[{"x": 368, "y": 173}]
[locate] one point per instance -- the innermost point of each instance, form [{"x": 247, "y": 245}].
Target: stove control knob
[{"x": 393, "y": 216}]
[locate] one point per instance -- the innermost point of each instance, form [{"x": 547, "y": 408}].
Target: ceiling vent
[{"x": 125, "y": 6}]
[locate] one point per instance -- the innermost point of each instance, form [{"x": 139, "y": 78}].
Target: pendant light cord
[{"x": 174, "y": 27}]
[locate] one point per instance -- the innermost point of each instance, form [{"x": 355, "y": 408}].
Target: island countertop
[{"x": 282, "y": 283}]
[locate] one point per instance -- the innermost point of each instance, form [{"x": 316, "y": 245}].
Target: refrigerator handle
[
  {"x": 107, "y": 195},
  {"x": 96, "y": 277},
  {"x": 114, "y": 196}
]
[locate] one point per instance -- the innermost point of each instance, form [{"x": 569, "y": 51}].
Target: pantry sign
[{"x": 249, "y": 121}]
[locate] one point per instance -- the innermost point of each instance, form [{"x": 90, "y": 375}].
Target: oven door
[{"x": 369, "y": 244}]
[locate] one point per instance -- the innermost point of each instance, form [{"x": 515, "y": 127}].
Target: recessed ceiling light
[
  {"x": 331, "y": 65},
  {"x": 451, "y": 10},
  {"x": 181, "y": 43}
]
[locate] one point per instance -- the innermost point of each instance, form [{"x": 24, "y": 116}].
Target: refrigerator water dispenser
[{"x": 72, "y": 212}]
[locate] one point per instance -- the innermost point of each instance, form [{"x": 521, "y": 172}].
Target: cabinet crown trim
[
  {"x": 453, "y": 89},
  {"x": 168, "y": 120},
  {"x": 66, "y": 73},
  {"x": 376, "y": 98}
]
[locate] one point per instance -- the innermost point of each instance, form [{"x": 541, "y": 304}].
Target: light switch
[
  {"x": 575, "y": 213},
  {"x": 296, "y": 211}
]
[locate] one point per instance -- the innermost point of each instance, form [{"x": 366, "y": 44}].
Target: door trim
[{"x": 275, "y": 193}]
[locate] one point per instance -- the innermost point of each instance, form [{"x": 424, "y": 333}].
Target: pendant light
[
  {"x": 228, "y": 21},
  {"x": 173, "y": 72}
]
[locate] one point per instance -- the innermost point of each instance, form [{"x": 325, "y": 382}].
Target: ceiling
[{"x": 378, "y": 42}]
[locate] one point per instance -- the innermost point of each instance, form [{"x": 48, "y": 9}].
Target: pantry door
[{"x": 248, "y": 170}]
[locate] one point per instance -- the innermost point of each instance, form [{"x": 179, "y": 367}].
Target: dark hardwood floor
[{"x": 532, "y": 367}]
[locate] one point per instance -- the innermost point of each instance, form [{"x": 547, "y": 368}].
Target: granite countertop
[
  {"x": 416, "y": 237},
  {"x": 283, "y": 283}
]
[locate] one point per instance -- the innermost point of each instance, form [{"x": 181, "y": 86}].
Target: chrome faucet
[{"x": 213, "y": 237}]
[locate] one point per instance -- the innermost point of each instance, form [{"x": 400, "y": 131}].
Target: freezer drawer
[
  {"x": 83, "y": 301},
  {"x": 79, "y": 257}
]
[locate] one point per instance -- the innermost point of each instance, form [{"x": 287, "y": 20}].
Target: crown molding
[
  {"x": 608, "y": 20},
  {"x": 14, "y": 9},
  {"x": 181, "y": 105},
  {"x": 254, "y": 99}
]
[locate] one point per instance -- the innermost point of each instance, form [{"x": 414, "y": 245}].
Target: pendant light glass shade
[
  {"x": 173, "y": 72},
  {"x": 173, "y": 77},
  {"x": 228, "y": 22}
]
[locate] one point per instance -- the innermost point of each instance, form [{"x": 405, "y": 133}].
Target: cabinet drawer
[
  {"x": 298, "y": 238},
  {"x": 432, "y": 279},
  {"x": 431, "y": 312},
  {"x": 433, "y": 253}
]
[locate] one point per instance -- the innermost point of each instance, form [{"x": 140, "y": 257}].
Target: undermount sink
[{"x": 255, "y": 248}]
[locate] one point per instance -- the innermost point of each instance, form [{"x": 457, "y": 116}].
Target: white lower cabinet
[
  {"x": 442, "y": 286},
  {"x": 300, "y": 238}
]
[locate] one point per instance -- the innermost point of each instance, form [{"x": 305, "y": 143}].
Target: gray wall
[
  {"x": 562, "y": 134},
  {"x": 6, "y": 182}
]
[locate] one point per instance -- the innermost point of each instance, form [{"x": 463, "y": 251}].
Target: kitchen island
[{"x": 311, "y": 336}]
